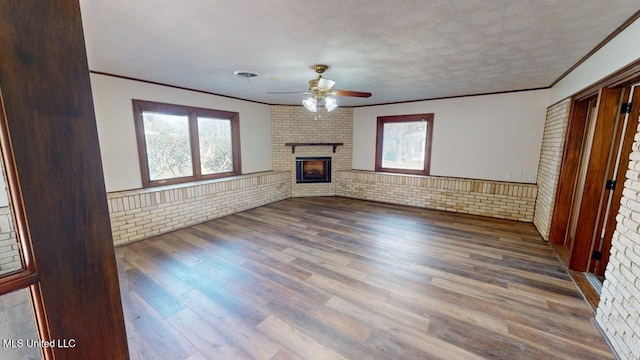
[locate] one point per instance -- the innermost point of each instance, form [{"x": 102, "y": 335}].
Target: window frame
[
  {"x": 382, "y": 120},
  {"x": 140, "y": 106}
]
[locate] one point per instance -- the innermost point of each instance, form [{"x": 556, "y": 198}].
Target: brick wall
[
  {"x": 618, "y": 312},
  {"x": 478, "y": 197},
  {"x": 555, "y": 130},
  {"x": 297, "y": 124},
  {"x": 9, "y": 256},
  {"x": 139, "y": 214}
]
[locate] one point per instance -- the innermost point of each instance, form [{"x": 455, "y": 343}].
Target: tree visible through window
[
  {"x": 215, "y": 145},
  {"x": 168, "y": 145},
  {"x": 404, "y": 143},
  {"x": 180, "y": 144}
]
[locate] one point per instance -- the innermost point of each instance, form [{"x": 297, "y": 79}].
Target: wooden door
[
  {"x": 581, "y": 111},
  {"x": 57, "y": 179},
  {"x": 610, "y": 205},
  {"x": 594, "y": 181},
  {"x": 586, "y": 142},
  {"x": 598, "y": 139}
]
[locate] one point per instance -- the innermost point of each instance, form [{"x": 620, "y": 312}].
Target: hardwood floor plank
[
  {"x": 431, "y": 304},
  {"x": 464, "y": 307},
  {"x": 287, "y": 285},
  {"x": 174, "y": 285},
  {"x": 388, "y": 347},
  {"x": 433, "y": 270},
  {"x": 165, "y": 341},
  {"x": 484, "y": 342},
  {"x": 557, "y": 344},
  {"x": 229, "y": 293},
  {"x": 489, "y": 293},
  {"x": 205, "y": 337},
  {"x": 285, "y": 354},
  {"x": 155, "y": 295},
  {"x": 240, "y": 334},
  {"x": 408, "y": 341},
  {"x": 198, "y": 356},
  {"x": 320, "y": 324},
  {"x": 353, "y": 283},
  {"x": 296, "y": 340},
  {"x": 571, "y": 299},
  {"x": 380, "y": 321},
  {"x": 139, "y": 349},
  {"x": 336, "y": 278}
]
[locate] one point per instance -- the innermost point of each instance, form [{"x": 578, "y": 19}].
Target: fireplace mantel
[{"x": 293, "y": 145}]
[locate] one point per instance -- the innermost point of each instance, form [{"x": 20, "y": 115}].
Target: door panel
[
  {"x": 581, "y": 176},
  {"x": 623, "y": 149},
  {"x": 594, "y": 181},
  {"x": 568, "y": 172}
]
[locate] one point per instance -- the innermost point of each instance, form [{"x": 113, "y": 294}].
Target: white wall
[
  {"x": 114, "y": 116},
  {"x": 617, "y": 53},
  {"x": 491, "y": 137}
]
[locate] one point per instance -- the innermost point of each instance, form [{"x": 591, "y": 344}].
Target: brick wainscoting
[
  {"x": 139, "y": 214},
  {"x": 618, "y": 312},
  {"x": 496, "y": 199},
  {"x": 555, "y": 130},
  {"x": 9, "y": 256}
]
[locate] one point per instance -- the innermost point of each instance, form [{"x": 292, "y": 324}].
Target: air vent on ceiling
[{"x": 245, "y": 74}]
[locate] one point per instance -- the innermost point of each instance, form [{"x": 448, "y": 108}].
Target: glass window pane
[
  {"x": 403, "y": 145},
  {"x": 10, "y": 254},
  {"x": 18, "y": 331},
  {"x": 216, "y": 153},
  {"x": 168, "y": 145},
  {"x": 10, "y": 259}
]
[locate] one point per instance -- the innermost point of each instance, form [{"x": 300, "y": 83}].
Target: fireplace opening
[{"x": 313, "y": 169}]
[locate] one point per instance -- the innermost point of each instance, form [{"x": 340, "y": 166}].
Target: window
[
  {"x": 403, "y": 143},
  {"x": 179, "y": 144}
]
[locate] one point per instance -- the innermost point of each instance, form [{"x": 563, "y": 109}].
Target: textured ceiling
[{"x": 397, "y": 50}]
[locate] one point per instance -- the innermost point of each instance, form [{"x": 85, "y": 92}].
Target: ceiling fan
[{"x": 320, "y": 91}]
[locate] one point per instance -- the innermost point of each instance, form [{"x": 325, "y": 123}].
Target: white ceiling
[{"x": 397, "y": 50}]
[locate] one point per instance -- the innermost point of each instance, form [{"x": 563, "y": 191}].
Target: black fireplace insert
[{"x": 313, "y": 169}]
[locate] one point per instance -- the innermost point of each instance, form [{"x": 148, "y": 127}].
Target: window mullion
[{"x": 195, "y": 145}]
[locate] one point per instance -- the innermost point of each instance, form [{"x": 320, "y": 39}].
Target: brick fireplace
[{"x": 295, "y": 124}]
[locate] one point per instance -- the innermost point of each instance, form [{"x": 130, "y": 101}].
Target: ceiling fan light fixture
[
  {"x": 310, "y": 104},
  {"x": 325, "y": 84},
  {"x": 330, "y": 103}
]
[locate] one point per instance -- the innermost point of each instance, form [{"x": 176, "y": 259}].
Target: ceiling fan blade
[
  {"x": 288, "y": 92},
  {"x": 353, "y": 93},
  {"x": 325, "y": 84}
]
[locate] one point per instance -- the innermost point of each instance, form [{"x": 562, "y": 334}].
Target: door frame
[{"x": 577, "y": 256}]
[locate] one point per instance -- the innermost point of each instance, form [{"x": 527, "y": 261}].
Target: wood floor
[{"x": 336, "y": 278}]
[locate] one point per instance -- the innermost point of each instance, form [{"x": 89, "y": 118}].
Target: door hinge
[
  {"x": 611, "y": 185},
  {"x": 626, "y": 108},
  {"x": 596, "y": 255}
]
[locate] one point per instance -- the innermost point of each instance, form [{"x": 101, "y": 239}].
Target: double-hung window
[
  {"x": 403, "y": 144},
  {"x": 180, "y": 143}
]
